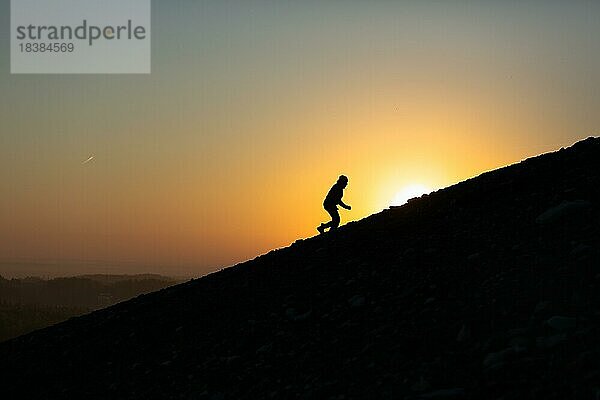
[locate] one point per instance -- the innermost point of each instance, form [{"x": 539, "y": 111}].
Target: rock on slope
[{"x": 486, "y": 289}]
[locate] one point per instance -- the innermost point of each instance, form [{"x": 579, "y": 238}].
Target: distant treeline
[
  {"x": 33, "y": 303},
  {"x": 18, "y": 319}
]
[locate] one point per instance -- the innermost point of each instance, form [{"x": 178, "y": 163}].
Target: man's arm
[{"x": 346, "y": 206}]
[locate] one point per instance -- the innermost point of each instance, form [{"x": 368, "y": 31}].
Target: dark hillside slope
[{"x": 487, "y": 289}]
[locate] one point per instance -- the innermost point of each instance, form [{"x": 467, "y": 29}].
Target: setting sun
[{"x": 409, "y": 192}]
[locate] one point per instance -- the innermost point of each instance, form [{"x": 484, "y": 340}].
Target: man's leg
[
  {"x": 335, "y": 218},
  {"x": 321, "y": 228}
]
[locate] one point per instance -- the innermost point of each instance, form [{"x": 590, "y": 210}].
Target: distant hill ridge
[
  {"x": 487, "y": 289},
  {"x": 122, "y": 277},
  {"x": 32, "y": 303},
  {"x": 79, "y": 291}
]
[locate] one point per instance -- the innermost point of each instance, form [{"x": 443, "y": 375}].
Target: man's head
[{"x": 343, "y": 180}]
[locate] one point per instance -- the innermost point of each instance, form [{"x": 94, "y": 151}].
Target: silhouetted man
[{"x": 332, "y": 200}]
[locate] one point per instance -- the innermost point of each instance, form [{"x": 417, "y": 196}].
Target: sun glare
[{"x": 409, "y": 192}]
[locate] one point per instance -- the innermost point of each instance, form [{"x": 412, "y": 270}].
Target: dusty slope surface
[{"x": 487, "y": 289}]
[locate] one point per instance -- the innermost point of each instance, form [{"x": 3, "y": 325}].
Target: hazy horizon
[
  {"x": 253, "y": 109},
  {"x": 72, "y": 268}
]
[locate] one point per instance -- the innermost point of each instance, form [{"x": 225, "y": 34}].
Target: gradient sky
[{"x": 253, "y": 109}]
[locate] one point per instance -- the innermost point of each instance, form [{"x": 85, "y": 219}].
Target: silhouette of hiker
[{"x": 332, "y": 200}]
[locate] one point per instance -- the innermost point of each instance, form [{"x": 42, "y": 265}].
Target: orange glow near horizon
[{"x": 203, "y": 215}]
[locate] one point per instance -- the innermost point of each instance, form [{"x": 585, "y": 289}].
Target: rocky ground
[{"x": 488, "y": 289}]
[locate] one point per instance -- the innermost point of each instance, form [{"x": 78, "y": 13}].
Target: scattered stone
[
  {"x": 494, "y": 360},
  {"x": 293, "y": 315},
  {"x": 563, "y": 210},
  {"x": 448, "y": 394},
  {"x": 561, "y": 323},
  {"x": 474, "y": 256},
  {"x": 410, "y": 252},
  {"x": 551, "y": 341},
  {"x": 357, "y": 301},
  {"x": 420, "y": 386},
  {"x": 581, "y": 250},
  {"x": 519, "y": 343},
  {"x": 541, "y": 308},
  {"x": 264, "y": 348},
  {"x": 515, "y": 332},
  {"x": 464, "y": 334}
]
